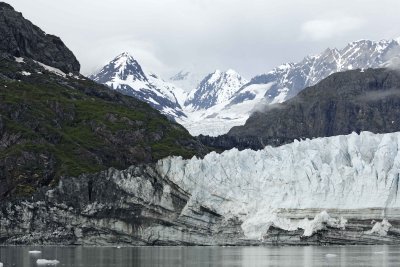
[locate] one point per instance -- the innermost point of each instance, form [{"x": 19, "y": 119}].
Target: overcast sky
[{"x": 250, "y": 36}]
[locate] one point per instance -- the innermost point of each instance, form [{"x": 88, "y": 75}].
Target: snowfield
[{"x": 351, "y": 172}]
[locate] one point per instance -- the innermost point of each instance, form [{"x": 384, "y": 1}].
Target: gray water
[{"x": 204, "y": 256}]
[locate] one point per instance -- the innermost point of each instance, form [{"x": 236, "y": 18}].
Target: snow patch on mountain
[
  {"x": 339, "y": 173},
  {"x": 51, "y": 69}
]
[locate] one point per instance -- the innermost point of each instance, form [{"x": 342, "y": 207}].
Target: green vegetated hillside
[{"x": 51, "y": 126}]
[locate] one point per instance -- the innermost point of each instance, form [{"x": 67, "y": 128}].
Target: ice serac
[
  {"x": 336, "y": 190},
  {"x": 126, "y": 75}
]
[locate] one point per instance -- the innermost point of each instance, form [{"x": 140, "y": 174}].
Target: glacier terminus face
[{"x": 346, "y": 174}]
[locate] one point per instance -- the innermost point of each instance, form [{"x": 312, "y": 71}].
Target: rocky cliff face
[
  {"x": 20, "y": 38},
  {"x": 133, "y": 207}
]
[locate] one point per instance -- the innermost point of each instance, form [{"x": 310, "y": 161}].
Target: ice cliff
[{"x": 343, "y": 172}]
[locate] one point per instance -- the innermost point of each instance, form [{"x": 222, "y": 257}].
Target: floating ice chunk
[
  {"x": 34, "y": 252},
  {"x": 380, "y": 228},
  {"x": 25, "y": 73},
  {"x": 47, "y": 262},
  {"x": 19, "y": 59},
  {"x": 379, "y": 252},
  {"x": 118, "y": 247},
  {"x": 330, "y": 255},
  {"x": 1, "y": 264}
]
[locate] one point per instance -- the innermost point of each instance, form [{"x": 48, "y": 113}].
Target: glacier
[
  {"x": 353, "y": 172},
  {"x": 332, "y": 190}
]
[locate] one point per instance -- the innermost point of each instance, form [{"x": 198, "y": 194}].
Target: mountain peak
[
  {"x": 217, "y": 73},
  {"x": 125, "y": 56},
  {"x": 121, "y": 68},
  {"x": 215, "y": 88},
  {"x": 231, "y": 72},
  {"x": 124, "y": 59}
]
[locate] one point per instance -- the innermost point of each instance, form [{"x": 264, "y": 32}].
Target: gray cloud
[
  {"x": 330, "y": 28},
  {"x": 250, "y": 36}
]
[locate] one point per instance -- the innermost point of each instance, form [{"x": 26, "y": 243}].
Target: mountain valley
[{"x": 306, "y": 154}]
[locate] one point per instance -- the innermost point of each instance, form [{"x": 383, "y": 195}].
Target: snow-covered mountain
[
  {"x": 221, "y": 100},
  {"x": 126, "y": 75},
  {"x": 214, "y": 89},
  {"x": 290, "y": 78}
]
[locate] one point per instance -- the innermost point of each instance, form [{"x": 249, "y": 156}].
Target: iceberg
[{"x": 47, "y": 262}]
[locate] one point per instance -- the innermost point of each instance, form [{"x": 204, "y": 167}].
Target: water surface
[{"x": 204, "y": 256}]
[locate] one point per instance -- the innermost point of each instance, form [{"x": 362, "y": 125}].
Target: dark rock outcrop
[
  {"x": 134, "y": 207},
  {"x": 20, "y": 38}
]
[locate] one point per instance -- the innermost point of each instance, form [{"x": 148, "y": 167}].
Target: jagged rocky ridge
[
  {"x": 340, "y": 104},
  {"x": 337, "y": 190}
]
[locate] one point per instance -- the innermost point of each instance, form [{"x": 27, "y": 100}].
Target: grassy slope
[{"x": 55, "y": 126}]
